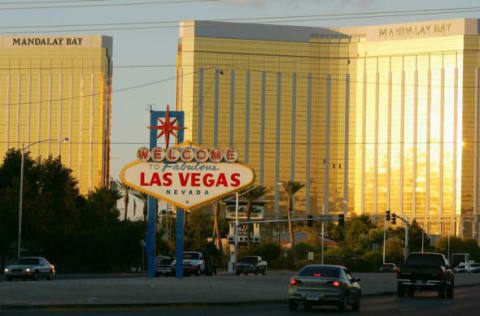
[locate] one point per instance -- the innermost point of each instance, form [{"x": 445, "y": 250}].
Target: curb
[{"x": 58, "y": 307}]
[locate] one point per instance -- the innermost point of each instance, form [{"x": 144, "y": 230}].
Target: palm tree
[
  {"x": 144, "y": 198},
  {"x": 291, "y": 187},
  {"x": 252, "y": 195},
  {"x": 125, "y": 191}
]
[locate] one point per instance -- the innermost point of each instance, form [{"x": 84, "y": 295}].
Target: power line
[
  {"x": 320, "y": 77},
  {"x": 107, "y": 5},
  {"x": 260, "y": 20}
]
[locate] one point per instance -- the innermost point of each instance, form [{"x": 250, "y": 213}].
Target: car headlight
[
  {"x": 27, "y": 269},
  {"x": 5, "y": 270}
]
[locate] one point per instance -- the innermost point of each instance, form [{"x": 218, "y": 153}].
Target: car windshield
[
  {"x": 320, "y": 271},
  {"x": 248, "y": 259},
  {"x": 191, "y": 255},
  {"x": 425, "y": 260},
  {"x": 32, "y": 261}
]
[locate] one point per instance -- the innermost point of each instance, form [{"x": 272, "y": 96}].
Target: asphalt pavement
[
  {"x": 143, "y": 292},
  {"x": 465, "y": 303}
]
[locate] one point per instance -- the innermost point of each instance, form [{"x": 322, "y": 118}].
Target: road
[{"x": 425, "y": 303}]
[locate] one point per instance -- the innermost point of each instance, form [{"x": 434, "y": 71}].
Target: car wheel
[
  {"x": 256, "y": 272},
  {"x": 9, "y": 278},
  {"x": 246, "y": 273},
  {"x": 307, "y": 306},
  {"x": 50, "y": 276},
  {"x": 400, "y": 291},
  {"x": 441, "y": 292},
  {"x": 264, "y": 271},
  {"x": 35, "y": 276},
  {"x": 356, "y": 306},
  {"x": 450, "y": 291},
  {"x": 411, "y": 291},
  {"x": 237, "y": 273},
  {"x": 343, "y": 304},
  {"x": 197, "y": 272},
  {"x": 292, "y": 305}
]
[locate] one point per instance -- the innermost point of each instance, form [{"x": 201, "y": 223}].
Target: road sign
[{"x": 188, "y": 184}]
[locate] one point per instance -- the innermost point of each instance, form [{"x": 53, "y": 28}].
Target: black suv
[{"x": 426, "y": 271}]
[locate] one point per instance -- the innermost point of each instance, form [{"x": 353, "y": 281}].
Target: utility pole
[{"x": 385, "y": 227}]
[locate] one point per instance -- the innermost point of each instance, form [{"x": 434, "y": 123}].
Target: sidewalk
[{"x": 142, "y": 291}]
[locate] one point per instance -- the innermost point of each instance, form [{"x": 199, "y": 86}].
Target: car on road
[
  {"x": 462, "y": 268},
  {"x": 427, "y": 271},
  {"x": 29, "y": 268},
  {"x": 196, "y": 263},
  {"x": 163, "y": 266},
  {"x": 475, "y": 268},
  {"x": 388, "y": 267},
  {"x": 324, "y": 285},
  {"x": 251, "y": 264}
]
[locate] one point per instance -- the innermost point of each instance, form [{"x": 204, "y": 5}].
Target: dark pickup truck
[{"x": 426, "y": 272}]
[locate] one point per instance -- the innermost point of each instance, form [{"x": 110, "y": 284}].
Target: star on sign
[{"x": 167, "y": 127}]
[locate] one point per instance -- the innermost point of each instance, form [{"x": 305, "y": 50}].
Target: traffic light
[
  {"x": 310, "y": 221},
  {"x": 341, "y": 220},
  {"x": 387, "y": 215},
  {"x": 394, "y": 219}
]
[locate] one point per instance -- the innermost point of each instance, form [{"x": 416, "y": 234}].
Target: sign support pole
[
  {"x": 180, "y": 228},
  {"x": 179, "y": 244},
  {"x": 150, "y": 244}
]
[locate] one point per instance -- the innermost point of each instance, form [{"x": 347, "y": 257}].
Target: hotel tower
[
  {"x": 369, "y": 119},
  {"x": 56, "y": 87}
]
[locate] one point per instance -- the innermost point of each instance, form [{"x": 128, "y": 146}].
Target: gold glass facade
[
  {"x": 368, "y": 118},
  {"x": 57, "y": 87}
]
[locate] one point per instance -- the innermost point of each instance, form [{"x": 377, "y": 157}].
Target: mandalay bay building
[
  {"x": 56, "y": 87},
  {"x": 369, "y": 119}
]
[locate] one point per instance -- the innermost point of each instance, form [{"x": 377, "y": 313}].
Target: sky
[{"x": 146, "y": 46}]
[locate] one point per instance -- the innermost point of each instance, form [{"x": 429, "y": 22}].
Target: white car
[
  {"x": 30, "y": 268},
  {"x": 475, "y": 268},
  {"x": 462, "y": 268}
]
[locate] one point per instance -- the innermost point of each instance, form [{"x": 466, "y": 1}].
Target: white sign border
[{"x": 184, "y": 207}]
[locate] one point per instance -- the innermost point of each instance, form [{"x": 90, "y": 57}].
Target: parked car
[
  {"x": 426, "y": 271},
  {"x": 251, "y": 264},
  {"x": 30, "y": 268},
  {"x": 196, "y": 263},
  {"x": 462, "y": 268},
  {"x": 324, "y": 285},
  {"x": 388, "y": 267},
  {"x": 475, "y": 268},
  {"x": 163, "y": 266}
]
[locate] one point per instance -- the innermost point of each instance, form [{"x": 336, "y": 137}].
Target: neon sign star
[{"x": 167, "y": 128}]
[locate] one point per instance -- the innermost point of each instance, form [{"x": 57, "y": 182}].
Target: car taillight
[
  {"x": 336, "y": 283},
  {"x": 294, "y": 282}
]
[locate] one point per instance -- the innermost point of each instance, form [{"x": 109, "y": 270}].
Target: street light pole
[
  {"x": 323, "y": 232},
  {"x": 20, "y": 203}
]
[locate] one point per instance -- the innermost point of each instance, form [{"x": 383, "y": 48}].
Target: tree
[
  {"x": 415, "y": 237},
  {"x": 291, "y": 187},
  {"x": 144, "y": 198},
  {"x": 455, "y": 244},
  {"x": 252, "y": 195},
  {"x": 125, "y": 191},
  {"x": 197, "y": 229}
]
